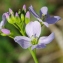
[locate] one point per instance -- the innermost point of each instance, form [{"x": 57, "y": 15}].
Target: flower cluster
[{"x": 30, "y": 30}]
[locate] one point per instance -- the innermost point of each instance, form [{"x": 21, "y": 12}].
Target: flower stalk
[{"x": 33, "y": 55}]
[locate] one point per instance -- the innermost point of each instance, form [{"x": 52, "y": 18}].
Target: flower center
[
  {"x": 34, "y": 41},
  {"x": 43, "y": 17}
]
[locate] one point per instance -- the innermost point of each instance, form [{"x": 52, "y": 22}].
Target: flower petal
[
  {"x": 33, "y": 47},
  {"x": 36, "y": 28},
  {"x": 23, "y": 41},
  {"x": 38, "y": 46},
  {"x": 1, "y": 24},
  {"x": 52, "y": 20},
  {"x": 45, "y": 23},
  {"x": 41, "y": 46},
  {"x": 33, "y": 12},
  {"x": 57, "y": 17},
  {"x": 29, "y": 29},
  {"x": 44, "y": 10},
  {"x": 46, "y": 39},
  {"x": 33, "y": 29},
  {"x": 4, "y": 17}
]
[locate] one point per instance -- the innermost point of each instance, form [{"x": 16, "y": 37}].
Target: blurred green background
[{"x": 11, "y": 52}]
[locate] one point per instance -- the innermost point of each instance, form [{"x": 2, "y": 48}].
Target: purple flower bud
[
  {"x": 10, "y": 10},
  {"x": 28, "y": 14},
  {"x": 5, "y": 31},
  {"x": 7, "y": 15},
  {"x": 16, "y": 14},
  {"x": 24, "y": 8}
]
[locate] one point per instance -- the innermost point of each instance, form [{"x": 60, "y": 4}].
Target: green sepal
[
  {"x": 27, "y": 20},
  {"x": 3, "y": 34},
  {"x": 22, "y": 17},
  {"x": 19, "y": 11},
  {"x": 17, "y": 20}
]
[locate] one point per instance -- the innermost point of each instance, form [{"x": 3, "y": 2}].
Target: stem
[{"x": 33, "y": 55}]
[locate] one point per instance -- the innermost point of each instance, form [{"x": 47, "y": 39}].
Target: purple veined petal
[
  {"x": 33, "y": 29},
  {"x": 33, "y": 47},
  {"x": 41, "y": 46},
  {"x": 29, "y": 29},
  {"x": 57, "y": 17},
  {"x": 38, "y": 46},
  {"x": 23, "y": 41},
  {"x": 36, "y": 28},
  {"x": 46, "y": 39},
  {"x": 44, "y": 10},
  {"x": 52, "y": 20},
  {"x": 33, "y": 12},
  {"x": 5, "y": 31},
  {"x": 46, "y": 24}
]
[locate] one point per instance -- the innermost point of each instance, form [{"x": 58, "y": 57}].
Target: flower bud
[
  {"x": 24, "y": 8},
  {"x": 16, "y": 14},
  {"x": 22, "y": 17},
  {"x": 5, "y": 31},
  {"x": 10, "y": 11},
  {"x": 27, "y": 17}
]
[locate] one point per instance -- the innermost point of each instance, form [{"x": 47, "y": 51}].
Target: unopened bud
[
  {"x": 16, "y": 14},
  {"x": 27, "y": 15},
  {"x": 22, "y": 17},
  {"x": 11, "y": 12},
  {"x": 5, "y": 31},
  {"x": 24, "y": 8}
]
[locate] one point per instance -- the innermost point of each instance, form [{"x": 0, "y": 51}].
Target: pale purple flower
[
  {"x": 2, "y": 23},
  {"x": 44, "y": 12},
  {"x": 33, "y": 30}
]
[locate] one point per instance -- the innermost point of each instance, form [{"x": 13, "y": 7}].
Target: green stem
[{"x": 33, "y": 55}]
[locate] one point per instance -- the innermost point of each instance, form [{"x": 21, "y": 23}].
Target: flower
[
  {"x": 33, "y": 30},
  {"x": 44, "y": 13},
  {"x": 2, "y": 23}
]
